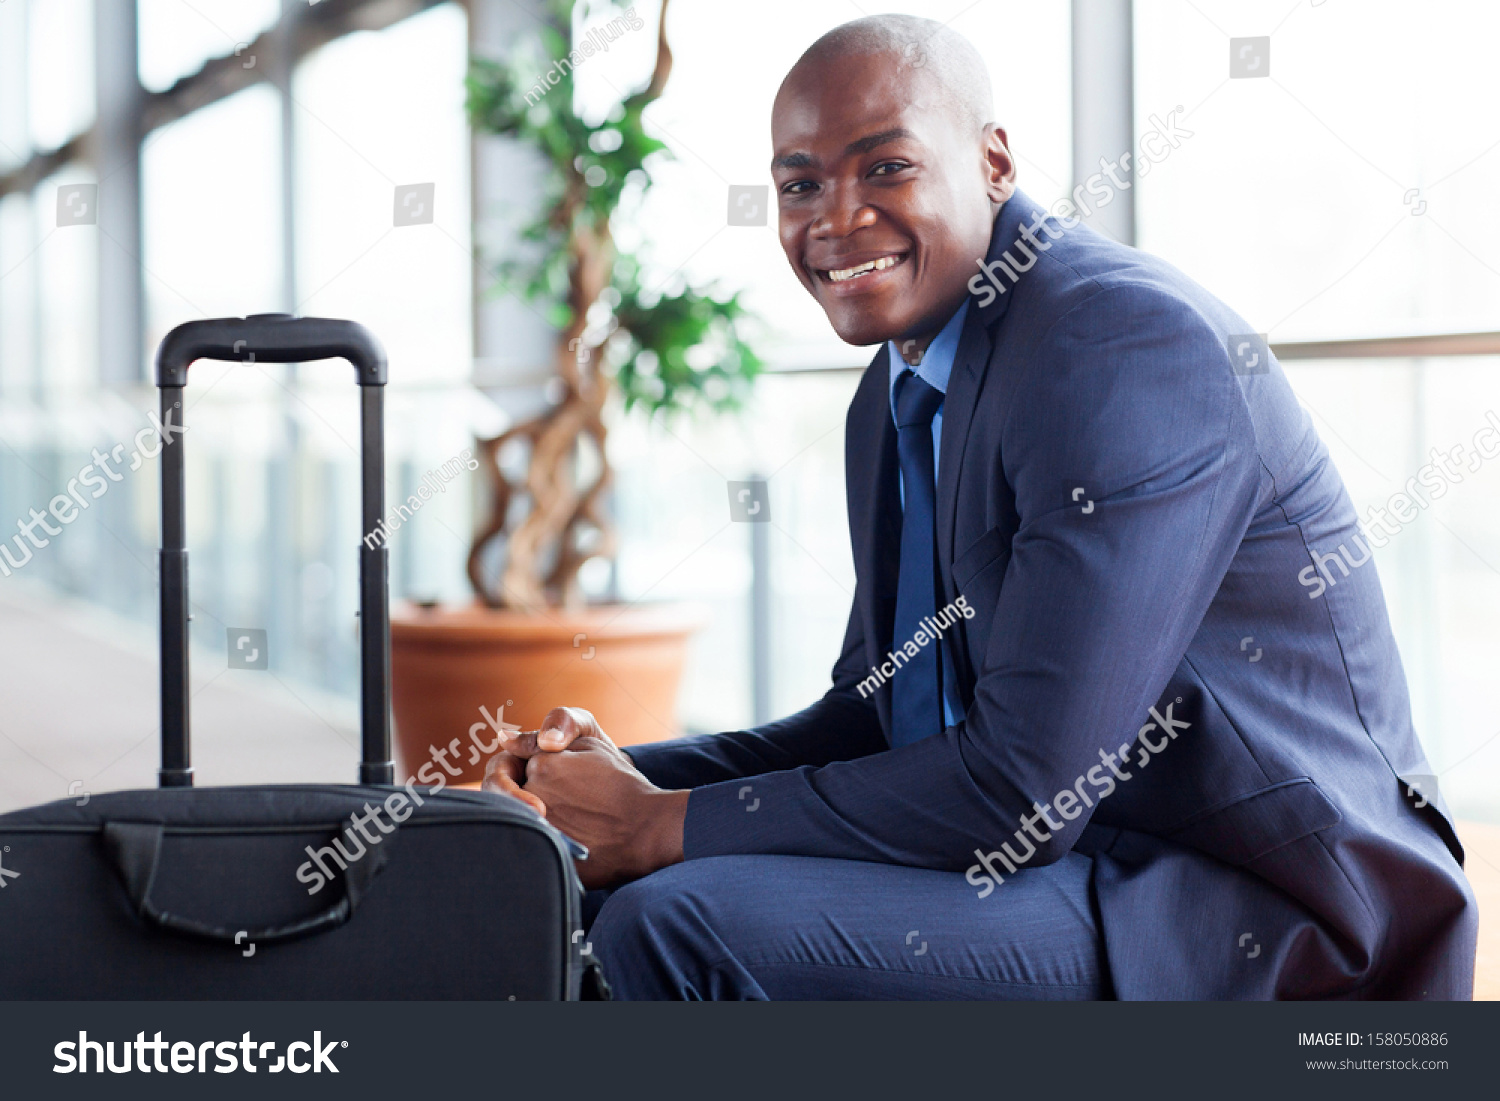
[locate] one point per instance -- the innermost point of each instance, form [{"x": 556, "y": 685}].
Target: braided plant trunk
[{"x": 565, "y": 524}]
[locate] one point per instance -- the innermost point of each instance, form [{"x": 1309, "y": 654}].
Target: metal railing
[
  {"x": 1381, "y": 347},
  {"x": 1393, "y": 347}
]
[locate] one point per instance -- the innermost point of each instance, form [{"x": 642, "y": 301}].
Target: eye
[
  {"x": 797, "y": 187},
  {"x": 888, "y": 168}
]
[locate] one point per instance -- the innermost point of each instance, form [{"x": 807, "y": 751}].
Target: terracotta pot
[{"x": 623, "y": 662}]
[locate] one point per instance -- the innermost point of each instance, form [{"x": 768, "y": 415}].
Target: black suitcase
[{"x": 214, "y": 893}]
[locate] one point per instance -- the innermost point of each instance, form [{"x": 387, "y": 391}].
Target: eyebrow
[
  {"x": 794, "y": 160},
  {"x": 862, "y": 145},
  {"x": 873, "y": 141}
]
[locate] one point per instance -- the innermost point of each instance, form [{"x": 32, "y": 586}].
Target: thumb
[{"x": 564, "y": 725}]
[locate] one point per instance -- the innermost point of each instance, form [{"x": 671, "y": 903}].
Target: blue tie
[{"x": 916, "y": 700}]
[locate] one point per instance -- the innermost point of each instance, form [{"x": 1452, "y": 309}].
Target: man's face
[{"x": 887, "y": 197}]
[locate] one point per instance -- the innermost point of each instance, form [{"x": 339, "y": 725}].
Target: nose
[{"x": 842, "y": 214}]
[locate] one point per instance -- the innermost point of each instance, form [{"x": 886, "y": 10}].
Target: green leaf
[{"x": 671, "y": 353}]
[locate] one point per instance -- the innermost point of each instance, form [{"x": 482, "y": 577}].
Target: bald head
[
  {"x": 889, "y": 173},
  {"x": 947, "y": 67}
]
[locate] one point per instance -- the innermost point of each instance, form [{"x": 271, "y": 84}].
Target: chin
[
  {"x": 862, "y": 337},
  {"x": 861, "y": 329}
]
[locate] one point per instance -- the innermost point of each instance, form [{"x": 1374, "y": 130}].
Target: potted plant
[{"x": 530, "y": 641}]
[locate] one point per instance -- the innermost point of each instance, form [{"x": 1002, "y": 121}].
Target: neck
[{"x": 913, "y": 346}]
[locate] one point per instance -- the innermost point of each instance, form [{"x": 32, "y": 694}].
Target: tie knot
[{"x": 917, "y": 401}]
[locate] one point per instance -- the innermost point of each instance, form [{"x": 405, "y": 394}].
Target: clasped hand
[{"x": 570, "y": 773}]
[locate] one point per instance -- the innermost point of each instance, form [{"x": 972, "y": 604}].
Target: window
[
  {"x": 177, "y": 36},
  {"x": 272, "y": 450},
  {"x": 1349, "y": 194},
  {"x": 60, "y": 62}
]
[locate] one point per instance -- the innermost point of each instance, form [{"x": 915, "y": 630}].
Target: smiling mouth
[{"x": 859, "y": 271}]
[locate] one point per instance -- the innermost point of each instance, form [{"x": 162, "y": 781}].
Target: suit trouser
[{"x": 791, "y": 927}]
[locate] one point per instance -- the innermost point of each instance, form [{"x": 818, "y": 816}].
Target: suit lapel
[{"x": 971, "y": 364}]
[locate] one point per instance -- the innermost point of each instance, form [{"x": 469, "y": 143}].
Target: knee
[
  {"x": 644, "y": 912},
  {"x": 650, "y": 937}
]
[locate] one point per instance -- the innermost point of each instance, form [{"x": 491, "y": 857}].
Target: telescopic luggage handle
[
  {"x": 270, "y": 338},
  {"x": 275, "y": 338}
]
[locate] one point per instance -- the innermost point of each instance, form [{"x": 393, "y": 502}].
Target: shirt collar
[{"x": 937, "y": 361}]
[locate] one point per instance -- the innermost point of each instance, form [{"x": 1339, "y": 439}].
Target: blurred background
[{"x": 1332, "y": 180}]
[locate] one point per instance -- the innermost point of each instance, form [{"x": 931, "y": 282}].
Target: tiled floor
[{"x": 79, "y": 711}]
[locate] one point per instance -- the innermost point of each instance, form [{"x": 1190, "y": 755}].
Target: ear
[{"x": 999, "y": 165}]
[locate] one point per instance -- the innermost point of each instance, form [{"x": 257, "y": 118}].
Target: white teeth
[{"x": 860, "y": 269}]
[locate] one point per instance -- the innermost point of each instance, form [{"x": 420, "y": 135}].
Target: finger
[
  {"x": 507, "y": 764},
  {"x": 522, "y": 744},
  {"x": 506, "y": 773},
  {"x": 531, "y": 801},
  {"x": 562, "y": 725},
  {"x": 515, "y": 791}
]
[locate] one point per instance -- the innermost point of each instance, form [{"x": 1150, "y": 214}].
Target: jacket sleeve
[
  {"x": 1132, "y": 393},
  {"x": 839, "y": 727}
]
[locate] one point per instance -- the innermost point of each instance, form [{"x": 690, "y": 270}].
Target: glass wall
[
  {"x": 233, "y": 225},
  {"x": 1348, "y": 192},
  {"x": 176, "y": 38},
  {"x": 1342, "y": 190}
]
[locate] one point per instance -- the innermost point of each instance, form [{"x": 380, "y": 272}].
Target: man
[{"x": 1089, "y": 735}]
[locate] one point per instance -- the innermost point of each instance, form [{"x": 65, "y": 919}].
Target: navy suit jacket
[{"x": 1288, "y": 841}]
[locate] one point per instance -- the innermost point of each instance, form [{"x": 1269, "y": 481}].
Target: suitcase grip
[
  {"x": 136, "y": 850},
  {"x": 270, "y": 338}
]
